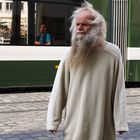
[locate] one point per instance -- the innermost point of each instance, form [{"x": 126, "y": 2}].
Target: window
[
  {"x": 24, "y": 28},
  {"x": 57, "y": 18},
  {"x": 0, "y": 6},
  {"x": 9, "y": 6}
]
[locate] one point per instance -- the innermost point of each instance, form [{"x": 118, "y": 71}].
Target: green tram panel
[{"x": 133, "y": 66}]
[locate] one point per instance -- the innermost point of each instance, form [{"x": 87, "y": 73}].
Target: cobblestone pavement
[{"x": 23, "y": 116}]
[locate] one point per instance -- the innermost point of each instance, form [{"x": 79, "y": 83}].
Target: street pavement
[{"x": 23, "y": 116}]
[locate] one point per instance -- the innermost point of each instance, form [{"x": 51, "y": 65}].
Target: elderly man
[{"x": 89, "y": 83}]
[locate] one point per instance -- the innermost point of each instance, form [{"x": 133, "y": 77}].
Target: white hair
[{"x": 97, "y": 20}]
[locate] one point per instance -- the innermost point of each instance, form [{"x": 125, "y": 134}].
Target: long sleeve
[
  {"x": 120, "y": 114},
  {"x": 58, "y": 96}
]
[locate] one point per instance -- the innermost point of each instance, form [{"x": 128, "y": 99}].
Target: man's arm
[
  {"x": 120, "y": 114},
  {"x": 58, "y": 97}
]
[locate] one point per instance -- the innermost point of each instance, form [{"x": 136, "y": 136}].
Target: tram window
[
  {"x": 18, "y": 26},
  {"x": 57, "y": 18},
  {"x": 6, "y": 29},
  {"x": 5, "y": 21}
]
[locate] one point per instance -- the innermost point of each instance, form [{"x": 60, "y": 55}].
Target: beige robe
[{"x": 93, "y": 95}]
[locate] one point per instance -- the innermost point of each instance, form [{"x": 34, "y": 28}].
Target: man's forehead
[{"x": 85, "y": 15}]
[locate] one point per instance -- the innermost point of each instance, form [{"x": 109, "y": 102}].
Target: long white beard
[{"x": 82, "y": 45}]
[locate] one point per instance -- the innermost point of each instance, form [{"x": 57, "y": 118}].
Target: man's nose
[{"x": 80, "y": 27}]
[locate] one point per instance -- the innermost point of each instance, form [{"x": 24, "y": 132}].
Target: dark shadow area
[
  {"x": 47, "y": 88},
  {"x": 25, "y": 89},
  {"x": 32, "y": 135},
  {"x": 132, "y": 84}
]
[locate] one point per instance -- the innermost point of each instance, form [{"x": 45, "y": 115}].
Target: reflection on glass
[
  {"x": 15, "y": 23},
  {"x": 6, "y": 8},
  {"x": 5, "y": 21}
]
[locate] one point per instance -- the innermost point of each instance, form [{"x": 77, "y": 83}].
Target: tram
[{"x": 24, "y": 65}]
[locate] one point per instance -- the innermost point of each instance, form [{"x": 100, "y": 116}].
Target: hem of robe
[
  {"x": 52, "y": 127},
  {"x": 122, "y": 128}
]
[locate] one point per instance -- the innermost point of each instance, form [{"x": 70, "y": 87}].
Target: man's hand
[
  {"x": 53, "y": 131},
  {"x": 121, "y": 132}
]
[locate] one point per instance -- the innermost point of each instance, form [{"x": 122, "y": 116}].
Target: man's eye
[
  {"x": 85, "y": 24},
  {"x": 82, "y": 24}
]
